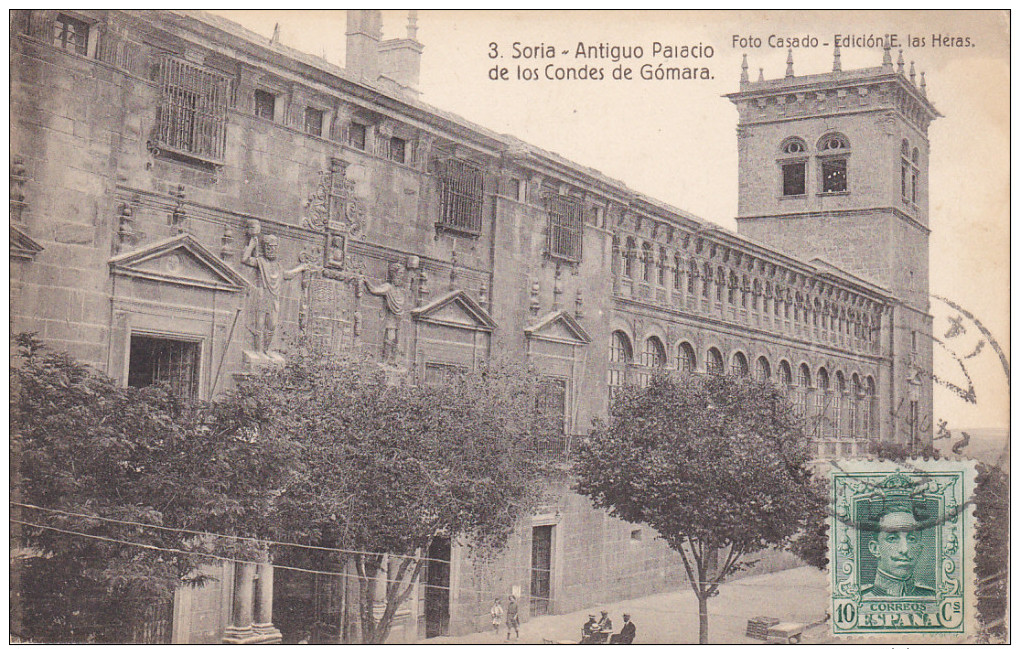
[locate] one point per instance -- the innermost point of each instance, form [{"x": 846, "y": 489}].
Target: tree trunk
[{"x": 703, "y": 620}]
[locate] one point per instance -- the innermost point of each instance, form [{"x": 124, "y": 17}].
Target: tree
[
  {"x": 715, "y": 464},
  {"x": 82, "y": 444},
  {"x": 389, "y": 466}
]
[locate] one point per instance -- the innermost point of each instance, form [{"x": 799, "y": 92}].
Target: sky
[{"x": 676, "y": 140}]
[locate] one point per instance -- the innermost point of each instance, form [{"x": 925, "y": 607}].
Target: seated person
[
  {"x": 588, "y": 630},
  {"x": 626, "y": 634},
  {"x": 604, "y": 628}
]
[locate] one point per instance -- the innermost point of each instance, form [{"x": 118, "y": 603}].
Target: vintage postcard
[{"x": 366, "y": 326}]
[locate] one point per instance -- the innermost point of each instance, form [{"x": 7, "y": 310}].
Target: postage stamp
[{"x": 901, "y": 547}]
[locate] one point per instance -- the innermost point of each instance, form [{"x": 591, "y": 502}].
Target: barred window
[
  {"x": 313, "y": 121},
  {"x": 398, "y": 150},
  {"x": 687, "y": 360},
  {"x": 265, "y": 105},
  {"x": 552, "y": 409},
  {"x": 71, "y": 34},
  {"x": 440, "y": 373},
  {"x": 654, "y": 354},
  {"x": 714, "y": 361},
  {"x": 620, "y": 355},
  {"x": 460, "y": 197},
  {"x": 566, "y": 217},
  {"x": 192, "y": 116},
  {"x": 738, "y": 365},
  {"x": 357, "y": 135},
  {"x": 155, "y": 359}
]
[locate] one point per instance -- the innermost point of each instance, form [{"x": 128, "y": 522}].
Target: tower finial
[
  {"x": 899, "y": 63},
  {"x": 912, "y": 74},
  {"x": 924, "y": 86},
  {"x": 887, "y": 55},
  {"x": 412, "y": 24},
  {"x": 761, "y": 75},
  {"x": 789, "y": 63},
  {"x": 837, "y": 65},
  {"x": 275, "y": 40},
  {"x": 743, "y": 70}
]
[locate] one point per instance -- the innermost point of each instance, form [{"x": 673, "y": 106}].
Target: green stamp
[{"x": 900, "y": 543}]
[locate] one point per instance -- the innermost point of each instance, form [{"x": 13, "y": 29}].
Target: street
[{"x": 797, "y": 595}]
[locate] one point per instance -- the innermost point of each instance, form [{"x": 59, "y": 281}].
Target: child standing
[{"x": 497, "y": 615}]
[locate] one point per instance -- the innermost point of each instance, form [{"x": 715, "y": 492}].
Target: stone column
[
  {"x": 240, "y": 631},
  {"x": 268, "y": 634}
]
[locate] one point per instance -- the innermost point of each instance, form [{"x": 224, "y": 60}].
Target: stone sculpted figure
[
  {"x": 398, "y": 300},
  {"x": 269, "y": 279}
]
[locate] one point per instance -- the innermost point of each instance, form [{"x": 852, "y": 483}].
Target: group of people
[
  {"x": 511, "y": 615},
  {"x": 593, "y": 632},
  {"x": 598, "y": 631}
]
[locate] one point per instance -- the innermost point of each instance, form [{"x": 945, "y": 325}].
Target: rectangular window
[
  {"x": 192, "y": 115},
  {"x": 834, "y": 176},
  {"x": 265, "y": 105},
  {"x": 398, "y": 150},
  {"x": 356, "y": 135},
  {"x": 913, "y": 187},
  {"x": 439, "y": 373},
  {"x": 514, "y": 189},
  {"x": 794, "y": 175},
  {"x": 460, "y": 197},
  {"x": 913, "y": 341},
  {"x": 552, "y": 410},
  {"x": 565, "y": 227},
  {"x": 313, "y": 121},
  {"x": 71, "y": 34},
  {"x": 154, "y": 359},
  {"x": 903, "y": 181},
  {"x": 541, "y": 569}
]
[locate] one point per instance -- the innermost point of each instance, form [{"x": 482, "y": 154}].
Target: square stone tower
[{"x": 834, "y": 166}]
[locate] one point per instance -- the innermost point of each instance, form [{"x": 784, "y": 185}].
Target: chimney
[
  {"x": 400, "y": 58},
  {"x": 364, "y": 29}
]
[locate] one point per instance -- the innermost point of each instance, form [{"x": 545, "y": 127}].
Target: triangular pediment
[
  {"x": 179, "y": 260},
  {"x": 559, "y": 326},
  {"x": 22, "y": 245},
  {"x": 455, "y": 309}
]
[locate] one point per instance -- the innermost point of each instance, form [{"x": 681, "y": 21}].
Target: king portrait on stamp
[{"x": 898, "y": 543}]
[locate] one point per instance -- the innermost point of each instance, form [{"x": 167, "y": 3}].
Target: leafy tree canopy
[
  {"x": 387, "y": 465},
  {"x": 716, "y": 464},
  {"x": 80, "y": 443}
]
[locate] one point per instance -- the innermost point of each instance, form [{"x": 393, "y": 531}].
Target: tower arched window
[
  {"x": 762, "y": 370},
  {"x": 738, "y": 365},
  {"x": 714, "y": 361},
  {"x": 833, "y": 155},
  {"x": 909, "y": 172},
  {"x": 793, "y": 163},
  {"x": 687, "y": 360}
]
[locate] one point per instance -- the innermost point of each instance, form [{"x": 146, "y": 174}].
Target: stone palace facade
[{"x": 186, "y": 195}]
